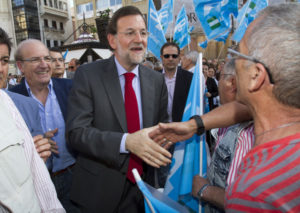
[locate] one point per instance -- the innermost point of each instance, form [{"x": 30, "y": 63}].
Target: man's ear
[
  {"x": 112, "y": 41},
  {"x": 20, "y": 65},
  {"x": 258, "y": 77},
  {"x": 233, "y": 84}
]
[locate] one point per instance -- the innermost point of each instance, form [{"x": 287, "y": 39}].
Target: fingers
[
  {"x": 51, "y": 133},
  {"x": 54, "y": 147}
]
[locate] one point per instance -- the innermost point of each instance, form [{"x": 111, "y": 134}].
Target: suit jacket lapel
[
  {"x": 111, "y": 82},
  {"x": 147, "y": 93}
]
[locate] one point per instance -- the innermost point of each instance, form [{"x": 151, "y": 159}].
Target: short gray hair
[
  {"x": 193, "y": 55},
  {"x": 229, "y": 68},
  {"x": 275, "y": 40},
  {"x": 149, "y": 64}
]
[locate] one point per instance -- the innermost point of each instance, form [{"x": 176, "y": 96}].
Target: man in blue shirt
[{"x": 34, "y": 61}]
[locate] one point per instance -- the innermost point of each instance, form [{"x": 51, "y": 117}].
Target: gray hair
[
  {"x": 229, "y": 68},
  {"x": 149, "y": 64},
  {"x": 275, "y": 40},
  {"x": 193, "y": 55},
  {"x": 19, "y": 50}
]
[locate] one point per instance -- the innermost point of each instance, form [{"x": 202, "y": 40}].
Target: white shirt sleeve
[{"x": 43, "y": 185}]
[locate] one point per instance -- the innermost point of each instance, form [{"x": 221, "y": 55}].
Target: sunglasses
[
  {"x": 168, "y": 55},
  {"x": 71, "y": 67}
]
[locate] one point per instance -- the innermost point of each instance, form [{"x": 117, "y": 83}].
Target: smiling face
[
  {"x": 129, "y": 51},
  {"x": 36, "y": 74},
  {"x": 4, "y": 54}
]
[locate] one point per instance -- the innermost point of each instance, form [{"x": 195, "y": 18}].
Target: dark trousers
[{"x": 62, "y": 183}]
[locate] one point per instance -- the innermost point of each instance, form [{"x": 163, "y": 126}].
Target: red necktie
[{"x": 133, "y": 123}]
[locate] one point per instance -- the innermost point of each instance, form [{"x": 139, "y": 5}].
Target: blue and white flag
[
  {"x": 190, "y": 156},
  {"x": 66, "y": 53},
  {"x": 203, "y": 44},
  {"x": 156, "y": 36},
  {"x": 156, "y": 201},
  {"x": 214, "y": 16},
  {"x": 165, "y": 15},
  {"x": 181, "y": 31},
  {"x": 222, "y": 38},
  {"x": 246, "y": 15}
]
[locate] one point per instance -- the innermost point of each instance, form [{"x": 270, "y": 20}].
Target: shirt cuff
[{"x": 122, "y": 146}]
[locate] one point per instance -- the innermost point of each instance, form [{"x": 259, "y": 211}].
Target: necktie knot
[{"x": 128, "y": 77}]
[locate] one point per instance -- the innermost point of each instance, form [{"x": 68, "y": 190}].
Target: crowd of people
[{"x": 70, "y": 144}]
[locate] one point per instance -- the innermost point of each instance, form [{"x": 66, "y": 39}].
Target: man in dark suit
[
  {"x": 178, "y": 82},
  {"x": 33, "y": 60},
  {"x": 100, "y": 121}
]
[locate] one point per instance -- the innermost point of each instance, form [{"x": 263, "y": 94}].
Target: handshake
[{"x": 151, "y": 144}]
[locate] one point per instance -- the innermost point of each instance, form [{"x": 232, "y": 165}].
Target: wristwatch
[
  {"x": 200, "y": 125},
  {"x": 201, "y": 191}
]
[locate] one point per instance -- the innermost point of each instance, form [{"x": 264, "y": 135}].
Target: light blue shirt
[
  {"x": 137, "y": 89},
  {"x": 52, "y": 118}
]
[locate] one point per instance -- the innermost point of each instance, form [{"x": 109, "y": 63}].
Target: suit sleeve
[
  {"x": 88, "y": 131},
  {"x": 212, "y": 87}
]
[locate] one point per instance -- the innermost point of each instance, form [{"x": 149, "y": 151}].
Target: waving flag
[
  {"x": 181, "y": 32},
  {"x": 156, "y": 201},
  {"x": 214, "y": 16},
  {"x": 190, "y": 156},
  {"x": 203, "y": 44},
  {"x": 156, "y": 36},
  {"x": 223, "y": 38},
  {"x": 165, "y": 15},
  {"x": 246, "y": 15},
  {"x": 65, "y": 55}
]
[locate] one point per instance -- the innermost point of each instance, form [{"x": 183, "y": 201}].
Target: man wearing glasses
[
  {"x": 58, "y": 63},
  {"x": 178, "y": 83},
  {"x": 51, "y": 94},
  {"x": 268, "y": 78},
  {"x": 111, "y": 100}
]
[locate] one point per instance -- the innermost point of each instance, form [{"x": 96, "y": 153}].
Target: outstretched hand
[
  {"x": 169, "y": 133},
  {"x": 140, "y": 144}
]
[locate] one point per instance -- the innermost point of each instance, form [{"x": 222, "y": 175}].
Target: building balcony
[
  {"x": 52, "y": 29},
  {"x": 46, "y": 10}
]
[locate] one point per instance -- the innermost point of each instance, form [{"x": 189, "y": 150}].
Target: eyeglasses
[
  {"x": 57, "y": 59},
  {"x": 170, "y": 55},
  {"x": 37, "y": 60},
  {"x": 132, "y": 33},
  {"x": 71, "y": 67},
  {"x": 254, "y": 60},
  {"x": 4, "y": 60}
]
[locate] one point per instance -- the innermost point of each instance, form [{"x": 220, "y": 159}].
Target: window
[
  {"x": 45, "y": 2},
  {"x": 65, "y": 7},
  {"x": 61, "y": 43},
  {"x": 48, "y": 43},
  {"x": 61, "y": 25},
  {"x": 46, "y": 23},
  {"x": 60, "y": 5},
  {"x": 50, "y": 3},
  {"x": 55, "y": 43},
  {"x": 102, "y": 4},
  {"x": 54, "y": 25},
  {"x": 55, "y": 4}
]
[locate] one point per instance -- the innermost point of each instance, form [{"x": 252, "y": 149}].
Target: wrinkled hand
[
  {"x": 198, "y": 183},
  {"x": 173, "y": 132},
  {"x": 42, "y": 146},
  {"x": 49, "y": 135},
  {"x": 150, "y": 152}
]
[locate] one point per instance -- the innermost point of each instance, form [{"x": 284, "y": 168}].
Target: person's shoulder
[{"x": 18, "y": 98}]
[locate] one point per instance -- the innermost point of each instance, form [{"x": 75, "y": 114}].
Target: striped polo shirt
[{"x": 268, "y": 179}]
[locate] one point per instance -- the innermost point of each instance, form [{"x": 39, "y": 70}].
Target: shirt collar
[
  {"x": 174, "y": 76},
  {"x": 50, "y": 87},
  {"x": 122, "y": 71}
]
